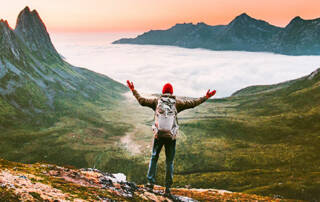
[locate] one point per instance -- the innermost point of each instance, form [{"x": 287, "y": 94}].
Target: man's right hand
[
  {"x": 130, "y": 85},
  {"x": 210, "y": 94}
]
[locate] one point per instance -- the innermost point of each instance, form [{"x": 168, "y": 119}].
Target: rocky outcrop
[
  {"x": 38, "y": 182},
  {"x": 9, "y": 44},
  {"x": 33, "y": 32},
  {"x": 299, "y": 37}
]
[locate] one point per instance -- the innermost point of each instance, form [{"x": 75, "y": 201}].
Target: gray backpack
[{"x": 166, "y": 117}]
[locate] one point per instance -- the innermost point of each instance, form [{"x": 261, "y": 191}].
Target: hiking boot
[
  {"x": 149, "y": 186},
  {"x": 168, "y": 192}
]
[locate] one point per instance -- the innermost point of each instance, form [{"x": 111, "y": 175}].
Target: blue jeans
[{"x": 170, "y": 149}]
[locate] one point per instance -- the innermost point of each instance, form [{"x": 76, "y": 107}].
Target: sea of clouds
[{"x": 191, "y": 71}]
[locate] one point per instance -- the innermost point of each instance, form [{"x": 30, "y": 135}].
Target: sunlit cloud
[{"x": 191, "y": 71}]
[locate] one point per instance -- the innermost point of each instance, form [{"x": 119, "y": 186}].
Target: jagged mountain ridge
[
  {"x": 32, "y": 31},
  {"x": 244, "y": 33},
  {"x": 34, "y": 79},
  {"x": 9, "y": 42}
]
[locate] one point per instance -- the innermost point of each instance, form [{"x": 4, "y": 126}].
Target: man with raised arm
[{"x": 165, "y": 127}]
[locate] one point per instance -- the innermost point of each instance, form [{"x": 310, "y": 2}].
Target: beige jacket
[{"x": 180, "y": 104}]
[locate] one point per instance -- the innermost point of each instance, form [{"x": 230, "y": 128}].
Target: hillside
[
  {"x": 47, "y": 106},
  {"x": 244, "y": 33},
  {"x": 40, "y": 182},
  {"x": 263, "y": 140}
]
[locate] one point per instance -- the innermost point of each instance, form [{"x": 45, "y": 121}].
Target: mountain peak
[
  {"x": 8, "y": 41},
  {"x": 242, "y": 18},
  {"x": 183, "y": 24},
  {"x": 244, "y": 15},
  {"x": 31, "y": 29},
  {"x": 26, "y": 9},
  {"x": 295, "y": 21},
  {"x": 201, "y": 24},
  {"x": 4, "y": 22},
  {"x": 27, "y": 18},
  {"x": 297, "y": 18}
]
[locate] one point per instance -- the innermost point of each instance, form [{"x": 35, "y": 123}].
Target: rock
[
  {"x": 120, "y": 177},
  {"x": 94, "y": 185},
  {"x": 184, "y": 199},
  {"x": 54, "y": 173}
]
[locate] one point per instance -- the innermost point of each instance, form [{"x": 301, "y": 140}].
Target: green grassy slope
[
  {"x": 50, "y": 110},
  {"x": 262, "y": 140}
]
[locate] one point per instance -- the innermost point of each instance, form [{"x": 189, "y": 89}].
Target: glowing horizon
[{"x": 143, "y": 15}]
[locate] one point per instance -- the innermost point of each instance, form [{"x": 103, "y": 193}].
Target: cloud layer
[{"x": 191, "y": 71}]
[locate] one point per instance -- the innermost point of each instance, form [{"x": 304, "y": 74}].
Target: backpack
[{"x": 166, "y": 124}]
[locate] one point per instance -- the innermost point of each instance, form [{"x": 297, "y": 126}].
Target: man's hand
[
  {"x": 210, "y": 94},
  {"x": 130, "y": 85}
]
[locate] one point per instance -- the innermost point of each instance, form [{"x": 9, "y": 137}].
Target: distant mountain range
[{"x": 244, "y": 33}]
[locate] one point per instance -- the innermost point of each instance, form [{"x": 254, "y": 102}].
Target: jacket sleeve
[
  {"x": 147, "y": 102},
  {"x": 191, "y": 103}
]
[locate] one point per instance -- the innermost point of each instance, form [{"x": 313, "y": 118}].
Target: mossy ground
[{"x": 73, "y": 184}]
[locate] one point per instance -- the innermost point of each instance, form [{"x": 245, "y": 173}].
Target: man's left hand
[{"x": 210, "y": 94}]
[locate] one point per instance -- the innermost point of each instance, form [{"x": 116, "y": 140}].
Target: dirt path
[{"x": 138, "y": 140}]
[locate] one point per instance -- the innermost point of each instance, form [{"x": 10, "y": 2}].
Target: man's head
[{"x": 167, "y": 88}]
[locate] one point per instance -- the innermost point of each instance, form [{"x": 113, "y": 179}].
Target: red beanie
[{"x": 167, "y": 88}]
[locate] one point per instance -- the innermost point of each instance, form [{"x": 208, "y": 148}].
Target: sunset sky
[{"x": 143, "y": 15}]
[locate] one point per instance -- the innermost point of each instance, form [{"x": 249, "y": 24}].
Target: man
[{"x": 170, "y": 106}]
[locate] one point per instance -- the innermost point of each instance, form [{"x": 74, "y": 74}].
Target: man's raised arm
[
  {"x": 148, "y": 102},
  {"x": 187, "y": 104}
]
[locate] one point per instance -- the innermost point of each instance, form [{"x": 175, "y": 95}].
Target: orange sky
[{"x": 143, "y": 15}]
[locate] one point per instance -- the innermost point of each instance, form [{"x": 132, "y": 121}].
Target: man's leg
[
  {"x": 157, "y": 145},
  {"x": 170, "y": 147}
]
